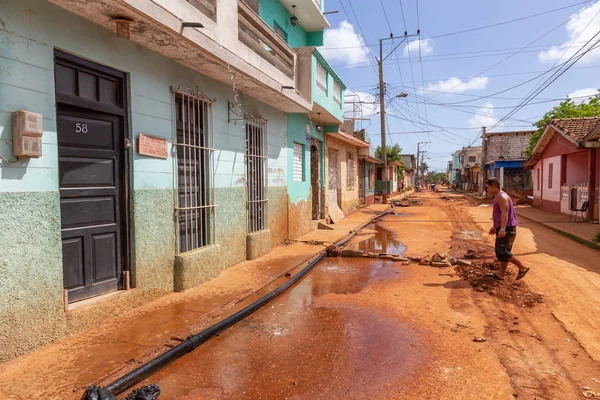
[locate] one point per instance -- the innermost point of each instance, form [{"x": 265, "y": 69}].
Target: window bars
[
  {"x": 337, "y": 94},
  {"x": 195, "y": 209},
  {"x": 321, "y": 78},
  {"x": 298, "y": 162},
  {"x": 351, "y": 171},
  {"x": 256, "y": 172}
]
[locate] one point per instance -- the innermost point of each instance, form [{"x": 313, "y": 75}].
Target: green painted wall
[
  {"x": 299, "y": 127},
  {"x": 325, "y": 100},
  {"x": 316, "y": 38},
  {"x": 273, "y": 12},
  {"x": 31, "y": 281}
]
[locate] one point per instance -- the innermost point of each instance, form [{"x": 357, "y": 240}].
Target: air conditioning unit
[{"x": 27, "y": 134}]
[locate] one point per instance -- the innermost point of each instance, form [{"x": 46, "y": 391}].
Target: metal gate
[
  {"x": 315, "y": 179},
  {"x": 256, "y": 172},
  {"x": 361, "y": 182}
]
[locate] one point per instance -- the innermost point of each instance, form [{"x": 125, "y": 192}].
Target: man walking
[{"x": 505, "y": 228}]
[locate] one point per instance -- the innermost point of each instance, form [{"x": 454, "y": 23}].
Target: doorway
[
  {"x": 315, "y": 179},
  {"x": 93, "y": 181}
]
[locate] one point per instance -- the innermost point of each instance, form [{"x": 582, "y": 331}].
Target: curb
[{"x": 575, "y": 238}]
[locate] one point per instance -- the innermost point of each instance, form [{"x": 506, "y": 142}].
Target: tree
[
  {"x": 566, "y": 109},
  {"x": 436, "y": 177},
  {"x": 393, "y": 153}
]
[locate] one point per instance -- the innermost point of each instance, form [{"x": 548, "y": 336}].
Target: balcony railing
[
  {"x": 254, "y": 33},
  {"x": 207, "y": 7}
]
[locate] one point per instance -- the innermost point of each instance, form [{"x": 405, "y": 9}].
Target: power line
[
  {"x": 523, "y": 48},
  {"x": 364, "y": 46},
  {"x": 557, "y": 74}
]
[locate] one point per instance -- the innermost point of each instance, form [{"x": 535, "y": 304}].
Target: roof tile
[{"x": 576, "y": 128}]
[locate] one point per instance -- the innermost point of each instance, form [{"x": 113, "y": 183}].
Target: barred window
[
  {"x": 280, "y": 32},
  {"x": 195, "y": 182},
  {"x": 550, "y": 174},
  {"x": 472, "y": 159},
  {"x": 321, "y": 78},
  {"x": 298, "y": 162},
  {"x": 337, "y": 94},
  {"x": 256, "y": 173},
  {"x": 351, "y": 181}
]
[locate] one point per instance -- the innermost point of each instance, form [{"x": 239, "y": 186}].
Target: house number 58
[{"x": 79, "y": 128}]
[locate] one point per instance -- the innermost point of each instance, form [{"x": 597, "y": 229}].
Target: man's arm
[{"x": 504, "y": 205}]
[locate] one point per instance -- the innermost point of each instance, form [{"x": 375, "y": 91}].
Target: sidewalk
[
  {"x": 580, "y": 231},
  {"x": 98, "y": 355}
]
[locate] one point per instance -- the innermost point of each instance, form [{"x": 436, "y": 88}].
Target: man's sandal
[{"x": 522, "y": 273}]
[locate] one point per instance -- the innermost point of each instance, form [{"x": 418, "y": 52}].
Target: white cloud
[
  {"x": 587, "y": 92},
  {"x": 344, "y": 44},
  {"x": 456, "y": 85},
  {"x": 369, "y": 108},
  {"x": 486, "y": 116},
  {"x": 413, "y": 47},
  {"x": 576, "y": 27}
]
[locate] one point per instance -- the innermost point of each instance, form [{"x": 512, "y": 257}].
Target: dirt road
[
  {"x": 359, "y": 328},
  {"x": 365, "y": 329}
]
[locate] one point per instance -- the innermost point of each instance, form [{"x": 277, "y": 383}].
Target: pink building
[{"x": 565, "y": 165}]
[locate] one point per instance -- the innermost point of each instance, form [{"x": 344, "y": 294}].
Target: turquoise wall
[
  {"x": 299, "y": 126},
  {"x": 273, "y": 12},
  {"x": 325, "y": 100},
  {"x": 27, "y": 43}
]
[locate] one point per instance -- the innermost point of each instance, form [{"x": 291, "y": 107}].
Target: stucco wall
[
  {"x": 551, "y": 193},
  {"x": 31, "y": 274},
  {"x": 577, "y": 168},
  {"x": 348, "y": 197}
]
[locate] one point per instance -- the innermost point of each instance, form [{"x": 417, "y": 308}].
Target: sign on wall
[{"x": 152, "y": 146}]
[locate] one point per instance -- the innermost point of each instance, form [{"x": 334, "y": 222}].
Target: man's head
[{"x": 492, "y": 186}]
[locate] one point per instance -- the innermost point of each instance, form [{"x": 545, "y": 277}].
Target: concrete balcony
[
  {"x": 327, "y": 95},
  {"x": 309, "y": 13},
  {"x": 234, "y": 45}
]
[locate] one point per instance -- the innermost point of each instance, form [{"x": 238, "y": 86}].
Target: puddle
[
  {"x": 383, "y": 241},
  {"x": 310, "y": 342}
]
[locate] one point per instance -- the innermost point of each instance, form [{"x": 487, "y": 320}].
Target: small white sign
[{"x": 308, "y": 129}]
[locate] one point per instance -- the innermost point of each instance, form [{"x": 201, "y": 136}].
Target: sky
[{"x": 452, "y": 77}]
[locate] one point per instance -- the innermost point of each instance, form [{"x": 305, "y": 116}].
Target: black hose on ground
[{"x": 193, "y": 341}]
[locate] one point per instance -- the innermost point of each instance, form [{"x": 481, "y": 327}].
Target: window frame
[
  {"x": 302, "y": 169},
  {"x": 322, "y": 87},
  {"x": 198, "y": 208}
]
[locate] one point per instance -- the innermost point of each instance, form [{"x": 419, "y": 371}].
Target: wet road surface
[{"x": 311, "y": 342}]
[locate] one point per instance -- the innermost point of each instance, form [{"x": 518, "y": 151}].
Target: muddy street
[{"x": 368, "y": 328}]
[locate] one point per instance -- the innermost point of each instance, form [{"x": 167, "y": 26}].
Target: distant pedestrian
[{"x": 505, "y": 228}]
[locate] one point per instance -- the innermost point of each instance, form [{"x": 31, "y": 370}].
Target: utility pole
[
  {"x": 418, "y": 152},
  {"x": 384, "y": 176}
]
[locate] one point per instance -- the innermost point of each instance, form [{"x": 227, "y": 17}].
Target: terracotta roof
[{"x": 576, "y": 128}]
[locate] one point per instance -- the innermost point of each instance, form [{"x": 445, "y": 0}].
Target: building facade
[
  {"x": 471, "y": 168},
  {"x": 565, "y": 167},
  {"x": 504, "y": 154},
  {"x": 168, "y": 140},
  {"x": 410, "y": 166}
]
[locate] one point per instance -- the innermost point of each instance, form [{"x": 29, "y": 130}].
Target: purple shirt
[{"x": 497, "y": 214}]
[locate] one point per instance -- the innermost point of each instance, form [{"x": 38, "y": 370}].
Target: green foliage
[
  {"x": 566, "y": 109},
  {"x": 597, "y": 237},
  {"x": 393, "y": 153},
  {"x": 436, "y": 177}
]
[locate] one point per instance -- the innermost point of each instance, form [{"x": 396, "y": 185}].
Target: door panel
[{"x": 91, "y": 117}]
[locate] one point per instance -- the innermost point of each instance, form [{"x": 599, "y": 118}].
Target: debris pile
[
  {"x": 438, "y": 260},
  {"x": 508, "y": 290},
  {"x": 335, "y": 251}
]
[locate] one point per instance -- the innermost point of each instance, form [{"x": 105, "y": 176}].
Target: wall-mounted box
[{"x": 27, "y": 134}]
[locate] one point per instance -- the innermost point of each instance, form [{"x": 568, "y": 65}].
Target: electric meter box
[{"x": 27, "y": 134}]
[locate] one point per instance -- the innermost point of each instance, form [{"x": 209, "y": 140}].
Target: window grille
[
  {"x": 351, "y": 179},
  {"x": 321, "y": 78},
  {"x": 195, "y": 210},
  {"x": 371, "y": 179},
  {"x": 550, "y": 174},
  {"x": 472, "y": 159},
  {"x": 538, "y": 179},
  {"x": 298, "y": 162},
  {"x": 280, "y": 32},
  {"x": 337, "y": 94},
  {"x": 256, "y": 172}
]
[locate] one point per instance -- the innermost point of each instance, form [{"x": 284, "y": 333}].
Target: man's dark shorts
[{"x": 504, "y": 245}]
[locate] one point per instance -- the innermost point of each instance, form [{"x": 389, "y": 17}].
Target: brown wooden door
[{"x": 92, "y": 177}]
